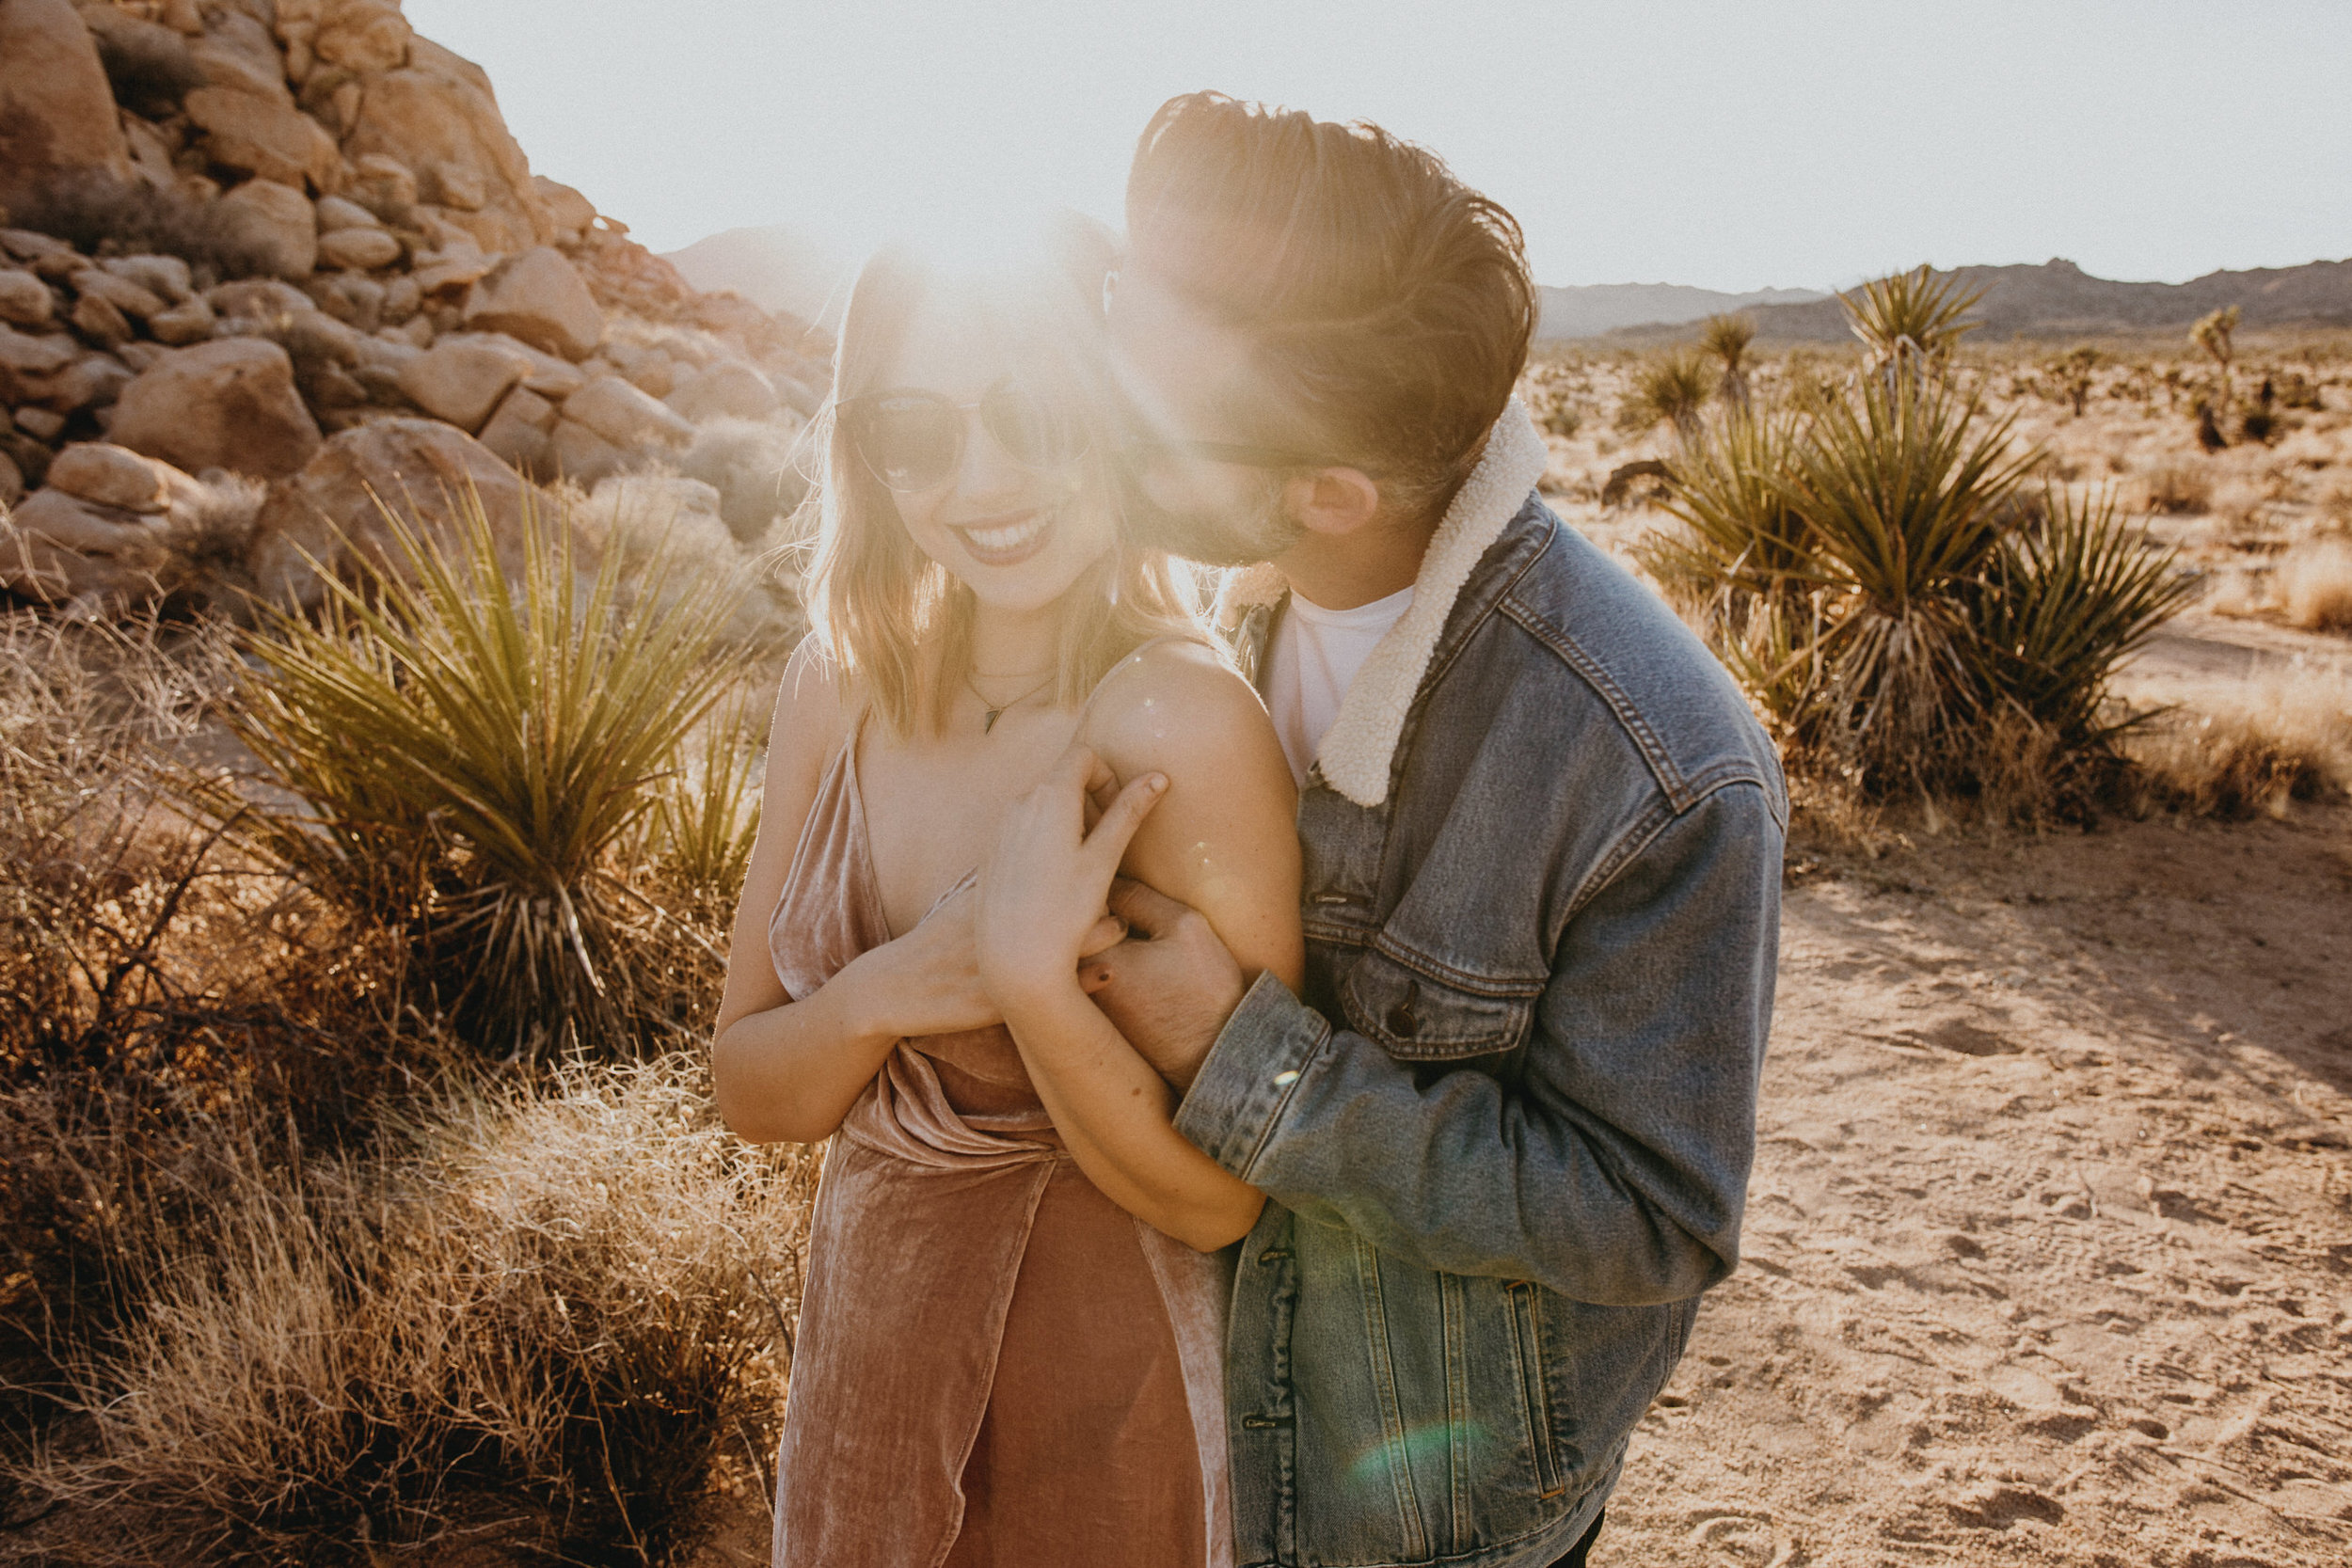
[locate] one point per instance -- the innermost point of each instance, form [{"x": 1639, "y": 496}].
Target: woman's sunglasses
[{"x": 913, "y": 440}]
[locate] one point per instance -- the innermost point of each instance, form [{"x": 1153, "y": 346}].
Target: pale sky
[{"x": 1790, "y": 143}]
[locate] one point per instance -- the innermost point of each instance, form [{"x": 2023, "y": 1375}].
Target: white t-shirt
[{"x": 1315, "y": 659}]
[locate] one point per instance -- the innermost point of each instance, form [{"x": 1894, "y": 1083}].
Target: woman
[{"x": 1011, "y": 1342}]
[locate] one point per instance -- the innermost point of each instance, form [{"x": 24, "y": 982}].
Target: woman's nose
[{"x": 987, "y": 468}]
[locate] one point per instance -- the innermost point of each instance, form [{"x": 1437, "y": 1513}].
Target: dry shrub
[
  {"x": 546, "y": 1309},
  {"x": 2288, "y": 738},
  {"x": 2178, "y": 487},
  {"x": 98, "y": 214},
  {"x": 2313, "y": 583}
]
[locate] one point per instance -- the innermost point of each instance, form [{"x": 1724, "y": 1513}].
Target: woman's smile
[{"x": 1007, "y": 539}]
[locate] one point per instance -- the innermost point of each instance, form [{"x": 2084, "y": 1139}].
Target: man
[{"x": 1506, "y": 1128}]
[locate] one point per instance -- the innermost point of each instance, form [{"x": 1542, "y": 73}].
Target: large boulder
[
  {"x": 445, "y": 128},
  {"x": 29, "y": 360},
  {"x": 539, "y": 297},
  {"x": 58, "y": 115},
  {"x": 728, "y": 389},
  {"x": 230, "y": 404},
  {"x": 462, "y": 379},
  {"x": 625, "y": 417},
  {"x": 282, "y": 221},
  {"x": 365, "y": 36},
  {"x": 426, "y": 472},
  {"x": 113, "y": 476},
  {"x": 268, "y": 141}
]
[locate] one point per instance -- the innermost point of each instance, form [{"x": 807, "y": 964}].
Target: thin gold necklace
[{"x": 994, "y": 711}]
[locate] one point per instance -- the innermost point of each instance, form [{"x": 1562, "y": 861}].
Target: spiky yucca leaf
[
  {"x": 1672, "y": 386},
  {"x": 471, "y": 751},
  {"x": 708, "y": 811},
  {"x": 1740, "y": 537},
  {"x": 2067, "y": 602},
  {"x": 1911, "y": 320},
  {"x": 1903, "y": 498}
]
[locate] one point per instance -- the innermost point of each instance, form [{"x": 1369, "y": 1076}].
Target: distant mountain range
[
  {"x": 2057, "y": 299},
  {"x": 784, "y": 269},
  {"x": 1592, "y": 309}
]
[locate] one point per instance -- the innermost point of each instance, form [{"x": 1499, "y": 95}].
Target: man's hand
[{"x": 1170, "y": 987}]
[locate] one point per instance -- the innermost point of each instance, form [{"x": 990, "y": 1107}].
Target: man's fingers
[
  {"x": 1109, "y": 932},
  {"x": 1144, "y": 908},
  {"x": 1123, "y": 817}
]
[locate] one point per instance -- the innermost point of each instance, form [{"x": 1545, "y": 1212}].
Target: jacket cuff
[{"x": 1249, "y": 1075}]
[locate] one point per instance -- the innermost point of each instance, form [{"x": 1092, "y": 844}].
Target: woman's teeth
[{"x": 1010, "y": 537}]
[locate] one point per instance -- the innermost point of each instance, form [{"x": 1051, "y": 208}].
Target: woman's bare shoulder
[
  {"x": 1176, "y": 704},
  {"x": 813, "y": 707}
]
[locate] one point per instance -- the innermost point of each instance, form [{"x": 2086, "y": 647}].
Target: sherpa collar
[{"x": 1360, "y": 745}]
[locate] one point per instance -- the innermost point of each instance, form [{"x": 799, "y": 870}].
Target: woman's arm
[
  {"x": 784, "y": 1071},
  {"x": 1219, "y": 835}
]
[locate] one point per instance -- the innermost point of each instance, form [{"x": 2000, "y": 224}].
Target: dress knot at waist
[{"x": 905, "y": 1113}]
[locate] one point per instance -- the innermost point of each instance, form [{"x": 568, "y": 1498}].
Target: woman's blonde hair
[{"x": 897, "y": 623}]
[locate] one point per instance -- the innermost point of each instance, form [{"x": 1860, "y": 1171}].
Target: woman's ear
[{"x": 1333, "y": 501}]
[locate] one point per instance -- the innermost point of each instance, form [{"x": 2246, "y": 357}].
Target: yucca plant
[
  {"x": 2214, "y": 333},
  {"x": 1910, "y": 321},
  {"x": 708, "y": 811},
  {"x": 1741, "y": 541},
  {"x": 2069, "y": 597},
  {"x": 1672, "y": 386},
  {"x": 1727, "y": 339},
  {"x": 470, "y": 752},
  {"x": 1903, "y": 500}
]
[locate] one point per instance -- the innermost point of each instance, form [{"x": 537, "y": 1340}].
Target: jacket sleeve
[{"x": 1615, "y": 1168}]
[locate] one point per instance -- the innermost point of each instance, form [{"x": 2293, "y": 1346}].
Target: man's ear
[{"x": 1333, "y": 501}]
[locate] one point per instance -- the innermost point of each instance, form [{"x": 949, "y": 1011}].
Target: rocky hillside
[
  {"x": 2057, "y": 299},
  {"x": 258, "y": 258},
  {"x": 1588, "y": 310}
]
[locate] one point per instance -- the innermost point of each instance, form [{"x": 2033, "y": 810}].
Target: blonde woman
[{"x": 1011, "y": 1344}]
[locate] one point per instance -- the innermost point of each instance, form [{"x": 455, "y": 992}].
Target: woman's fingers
[
  {"x": 1147, "y": 911},
  {"x": 1108, "y": 843},
  {"x": 1109, "y": 932}
]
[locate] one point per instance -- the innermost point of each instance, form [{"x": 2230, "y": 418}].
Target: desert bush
[
  {"x": 2176, "y": 487},
  {"x": 1911, "y": 320},
  {"x": 2313, "y": 583},
  {"x": 755, "y": 465},
  {"x": 477, "y": 762},
  {"x": 1909, "y": 619},
  {"x": 1727, "y": 339},
  {"x": 2069, "y": 378},
  {"x": 2216, "y": 333},
  {"x": 1671, "y": 387},
  {"x": 548, "y": 1308},
  {"x": 2286, "y": 737},
  {"x": 100, "y": 216}
]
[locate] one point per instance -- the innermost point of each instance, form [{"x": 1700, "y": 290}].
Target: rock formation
[{"x": 291, "y": 242}]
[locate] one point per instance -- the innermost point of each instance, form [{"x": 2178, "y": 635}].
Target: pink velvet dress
[{"x": 996, "y": 1365}]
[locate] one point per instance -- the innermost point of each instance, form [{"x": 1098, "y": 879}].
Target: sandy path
[{"x": 2050, "y": 1237}]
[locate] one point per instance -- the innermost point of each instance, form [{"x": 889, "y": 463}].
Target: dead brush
[
  {"x": 2314, "y": 585},
  {"x": 539, "y": 1310},
  {"x": 2176, "y": 488},
  {"x": 2288, "y": 738}
]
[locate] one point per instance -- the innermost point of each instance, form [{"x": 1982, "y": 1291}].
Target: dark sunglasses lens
[
  {"x": 909, "y": 443},
  {"x": 1033, "y": 430}
]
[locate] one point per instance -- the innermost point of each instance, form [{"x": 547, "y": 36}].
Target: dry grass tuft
[
  {"x": 546, "y": 1309},
  {"x": 2179, "y": 487},
  {"x": 2313, "y": 583},
  {"x": 2289, "y": 737}
]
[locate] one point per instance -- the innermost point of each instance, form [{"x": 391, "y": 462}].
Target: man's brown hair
[{"x": 1390, "y": 304}]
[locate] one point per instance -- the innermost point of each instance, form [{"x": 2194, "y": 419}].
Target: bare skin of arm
[
  {"x": 785, "y": 1070},
  {"x": 1218, "y": 833}
]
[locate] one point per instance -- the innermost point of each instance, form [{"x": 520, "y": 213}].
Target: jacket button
[{"x": 1401, "y": 1020}]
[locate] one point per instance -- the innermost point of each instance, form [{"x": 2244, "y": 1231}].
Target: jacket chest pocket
[{"x": 1417, "y": 1017}]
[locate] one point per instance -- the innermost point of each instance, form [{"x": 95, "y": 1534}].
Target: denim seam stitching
[
  {"x": 1428, "y": 968},
  {"x": 1621, "y": 707}
]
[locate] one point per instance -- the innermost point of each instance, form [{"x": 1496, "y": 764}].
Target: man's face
[{"x": 1185, "y": 373}]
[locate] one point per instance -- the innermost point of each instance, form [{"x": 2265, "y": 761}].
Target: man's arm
[{"x": 1616, "y": 1170}]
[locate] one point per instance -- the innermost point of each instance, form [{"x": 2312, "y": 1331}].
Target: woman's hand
[{"x": 1044, "y": 890}]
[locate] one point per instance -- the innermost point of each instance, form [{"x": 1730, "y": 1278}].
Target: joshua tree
[
  {"x": 2070, "y": 376},
  {"x": 2212, "y": 333},
  {"x": 1911, "y": 320},
  {"x": 1727, "y": 339}
]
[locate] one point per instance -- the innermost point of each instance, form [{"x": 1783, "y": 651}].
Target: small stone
[
  {"x": 384, "y": 186},
  {"x": 98, "y": 319},
  {"x": 192, "y": 323},
  {"x": 40, "y": 423},
  {"x": 121, "y": 292},
  {"x": 165, "y": 277},
  {"x": 269, "y": 141},
  {"x": 365, "y": 36},
  {"x": 282, "y": 218},
  {"x": 111, "y": 476},
  {"x": 728, "y": 389},
  {"x": 12, "y": 482},
  {"x": 582, "y": 455},
  {"x": 518, "y": 431},
  {"x": 625, "y": 416},
  {"x": 359, "y": 249},
  {"x": 25, "y": 300},
  {"x": 462, "y": 380},
  {"x": 141, "y": 357},
  {"x": 572, "y": 213},
  {"x": 335, "y": 212},
  {"x": 459, "y": 186}
]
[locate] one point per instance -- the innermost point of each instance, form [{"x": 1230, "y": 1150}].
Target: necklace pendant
[{"x": 987, "y": 724}]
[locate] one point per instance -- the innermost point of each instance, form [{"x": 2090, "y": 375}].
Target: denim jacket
[{"x": 1505, "y": 1130}]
